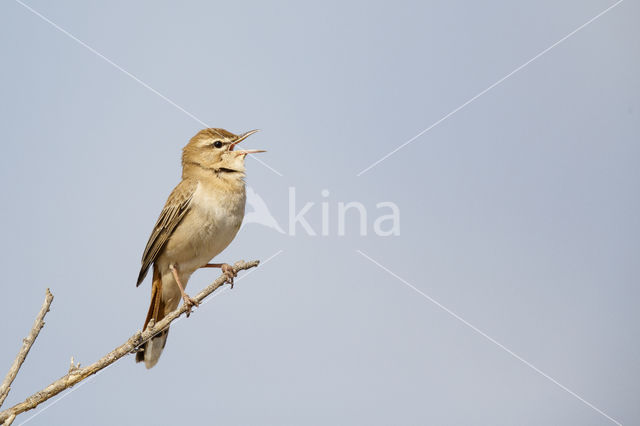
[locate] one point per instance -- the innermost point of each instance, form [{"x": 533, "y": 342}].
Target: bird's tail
[{"x": 151, "y": 350}]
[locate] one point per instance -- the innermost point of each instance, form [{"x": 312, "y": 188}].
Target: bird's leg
[
  {"x": 189, "y": 301},
  {"x": 226, "y": 269}
]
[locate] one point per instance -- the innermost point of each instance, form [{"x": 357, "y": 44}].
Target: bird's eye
[{"x": 217, "y": 144}]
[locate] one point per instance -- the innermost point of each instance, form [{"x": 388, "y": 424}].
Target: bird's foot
[
  {"x": 189, "y": 302},
  {"x": 229, "y": 272}
]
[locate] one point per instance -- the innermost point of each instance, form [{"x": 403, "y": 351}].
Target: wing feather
[{"x": 174, "y": 210}]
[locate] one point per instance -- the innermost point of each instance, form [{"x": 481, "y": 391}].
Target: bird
[{"x": 199, "y": 220}]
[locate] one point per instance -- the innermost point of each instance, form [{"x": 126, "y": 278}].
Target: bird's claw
[
  {"x": 190, "y": 302},
  {"x": 229, "y": 272}
]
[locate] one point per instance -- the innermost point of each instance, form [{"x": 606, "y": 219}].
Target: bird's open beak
[
  {"x": 240, "y": 139},
  {"x": 248, "y": 151}
]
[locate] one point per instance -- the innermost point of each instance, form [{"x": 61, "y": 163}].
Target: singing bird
[{"x": 199, "y": 220}]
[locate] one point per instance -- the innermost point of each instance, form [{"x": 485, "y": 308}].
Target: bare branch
[
  {"x": 9, "y": 420},
  {"x": 76, "y": 375},
  {"x": 27, "y": 342}
]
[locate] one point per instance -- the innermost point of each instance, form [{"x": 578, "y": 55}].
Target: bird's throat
[{"x": 215, "y": 170}]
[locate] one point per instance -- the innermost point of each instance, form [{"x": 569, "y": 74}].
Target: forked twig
[{"x": 76, "y": 375}]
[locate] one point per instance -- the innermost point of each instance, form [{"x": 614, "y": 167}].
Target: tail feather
[{"x": 151, "y": 350}]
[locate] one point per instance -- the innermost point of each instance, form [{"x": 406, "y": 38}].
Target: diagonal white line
[
  {"x": 262, "y": 263},
  {"x": 266, "y": 165},
  {"x": 109, "y": 61},
  {"x": 489, "y": 88},
  {"x": 224, "y": 289},
  {"x": 124, "y": 71},
  {"x": 64, "y": 395},
  {"x": 486, "y": 336},
  {"x": 273, "y": 256}
]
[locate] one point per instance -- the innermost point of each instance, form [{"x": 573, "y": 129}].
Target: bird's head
[{"x": 214, "y": 150}]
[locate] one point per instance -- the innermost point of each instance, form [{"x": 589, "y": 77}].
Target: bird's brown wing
[{"x": 174, "y": 210}]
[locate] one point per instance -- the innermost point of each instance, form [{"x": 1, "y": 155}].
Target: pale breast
[{"x": 213, "y": 221}]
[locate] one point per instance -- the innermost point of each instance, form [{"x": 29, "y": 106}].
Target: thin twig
[
  {"x": 76, "y": 375},
  {"x": 27, "y": 342}
]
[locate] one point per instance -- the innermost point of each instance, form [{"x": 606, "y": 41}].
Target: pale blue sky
[{"x": 519, "y": 213}]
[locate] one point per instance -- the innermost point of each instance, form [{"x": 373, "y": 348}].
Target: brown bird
[{"x": 199, "y": 220}]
